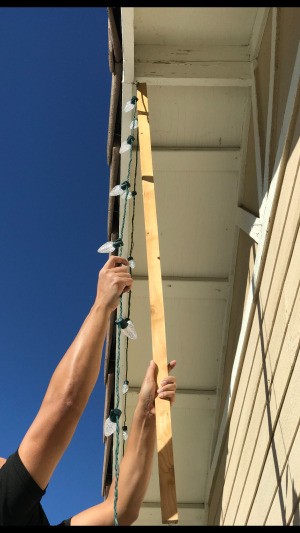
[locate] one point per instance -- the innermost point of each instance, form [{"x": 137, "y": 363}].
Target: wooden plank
[{"x": 169, "y": 510}]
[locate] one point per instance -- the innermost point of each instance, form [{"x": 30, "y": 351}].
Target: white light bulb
[
  {"x": 120, "y": 189},
  {"x": 134, "y": 124},
  {"x": 131, "y": 262},
  {"x": 124, "y": 432},
  {"x": 110, "y": 246},
  {"x": 127, "y": 195},
  {"x": 107, "y": 247},
  {"x": 111, "y": 422},
  {"x": 128, "y": 106},
  {"x": 129, "y": 331},
  {"x": 125, "y": 146},
  {"x": 127, "y": 327},
  {"x": 116, "y": 191},
  {"x": 109, "y": 427},
  {"x": 125, "y": 386}
]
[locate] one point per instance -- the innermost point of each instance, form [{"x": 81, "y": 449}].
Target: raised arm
[
  {"x": 136, "y": 465},
  {"x": 73, "y": 379}
]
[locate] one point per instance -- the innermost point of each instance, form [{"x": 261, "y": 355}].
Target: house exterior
[{"x": 223, "y": 92}]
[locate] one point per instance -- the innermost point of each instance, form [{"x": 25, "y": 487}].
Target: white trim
[
  {"x": 183, "y": 505},
  {"x": 243, "y": 158},
  {"x": 280, "y": 164},
  {"x": 213, "y": 289},
  {"x": 249, "y": 223},
  {"x": 258, "y": 31},
  {"x": 127, "y": 16},
  {"x": 270, "y": 107},
  {"x": 256, "y": 136},
  {"x": 200, "y": 160},
  {"x": 201, "y": 74},
  {"x": 154, "y": 53},
  {"x": 199, "y": 399}
]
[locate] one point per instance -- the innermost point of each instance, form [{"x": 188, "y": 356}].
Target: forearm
[
  {"x": 76, "y": 374},
  {"x": 73, "y": 379},
  {"x": 136, "y": 466}
]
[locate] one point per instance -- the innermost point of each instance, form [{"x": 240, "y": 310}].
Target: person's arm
[
  {"x": 73, "y": 379},
  {"x": 136, "y": 465}
]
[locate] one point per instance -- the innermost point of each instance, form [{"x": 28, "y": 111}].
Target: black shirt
[{"x": 20, "y": 496}]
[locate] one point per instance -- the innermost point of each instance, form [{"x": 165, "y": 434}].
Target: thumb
[{"x": 152, "y": 368}]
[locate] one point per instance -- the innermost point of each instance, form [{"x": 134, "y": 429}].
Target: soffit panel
[
  {"x": 194, "y": 26},
  {"x": 193, "y": 331},
  {"x": 196, "y": 211},
  {"x": 197, "y": 116},
  {"x": 189, "y": 515},
  {"x": 191, "y": 456}
]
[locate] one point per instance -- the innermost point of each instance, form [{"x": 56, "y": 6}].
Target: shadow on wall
[{"x": 281, "y": 484}]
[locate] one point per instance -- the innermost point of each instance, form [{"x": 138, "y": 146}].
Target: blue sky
[{"x": 54, "y": 99}]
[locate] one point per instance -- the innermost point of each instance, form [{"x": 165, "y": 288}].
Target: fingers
[
  {"x": 116, "y": 273},
  {"x": 167, "y": 388},
  {"x": 171, "y": 365},
  {"x": 115, "y": 260}
]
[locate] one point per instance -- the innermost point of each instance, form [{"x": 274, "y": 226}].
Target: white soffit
[
  {"x": 192, "y": 418},
  {"x": 196, "y": 197},
  {"x": 193, "y": 331},
  {"x": 209, "y": 25},
  {"x": 197, "y": 116}
]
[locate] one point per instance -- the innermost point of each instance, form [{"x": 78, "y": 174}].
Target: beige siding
[
  {"x": 272, "y": 353},
  {"x": 285, "y": 503},
  {"x": 265, "y": 414},
  {"x": 257, "y": 478}
]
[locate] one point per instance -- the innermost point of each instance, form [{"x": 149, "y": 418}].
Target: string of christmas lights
[{"x": 124, "y": 325}]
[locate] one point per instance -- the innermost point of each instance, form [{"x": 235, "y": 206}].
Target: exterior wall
[
  {"x": 257, "y": 479},
  {"x": 243, "y": 269}
]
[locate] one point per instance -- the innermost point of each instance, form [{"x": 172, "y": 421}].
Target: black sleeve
[
  {"x": 20, "y": 495},
  {"x": 65, "y": 522}
]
